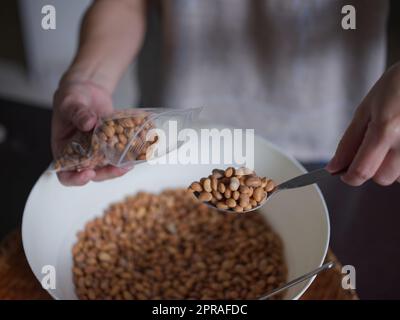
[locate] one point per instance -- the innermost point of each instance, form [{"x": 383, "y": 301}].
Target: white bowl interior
[{"x": 54, "y": 213}]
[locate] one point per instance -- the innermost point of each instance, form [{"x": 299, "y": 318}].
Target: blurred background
[{"x": 365, "y": 221}]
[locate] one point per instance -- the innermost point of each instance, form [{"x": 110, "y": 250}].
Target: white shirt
[{"x": 283, "y": 67}]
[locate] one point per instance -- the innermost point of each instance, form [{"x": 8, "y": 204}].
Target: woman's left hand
[{"x": 370, "y": 147}]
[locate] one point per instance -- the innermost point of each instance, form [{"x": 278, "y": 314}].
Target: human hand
[
  {"x": 370, "y": 147},
  {"x": 77, "y": 106}
]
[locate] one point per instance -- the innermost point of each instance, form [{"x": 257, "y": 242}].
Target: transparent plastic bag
[{"x": 124, "y": 138}]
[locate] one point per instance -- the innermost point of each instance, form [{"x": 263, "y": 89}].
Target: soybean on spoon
[{"x": 297, "y": 182}]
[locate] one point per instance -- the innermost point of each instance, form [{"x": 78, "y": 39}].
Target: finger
[
  {"x": 369, "y": 156},
  {"x": 76, "y": 108},
  {"x": 389, "y": 171},
  {"x": 350, "y": 142},
  {"x": 110, "y": 172},
  {"x": 73, "y": 178}
]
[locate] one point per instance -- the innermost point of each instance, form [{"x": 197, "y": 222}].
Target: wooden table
[{"x": 18, "y": 282}]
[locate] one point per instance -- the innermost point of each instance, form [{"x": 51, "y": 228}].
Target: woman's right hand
[{"x": 77, "y": 105}]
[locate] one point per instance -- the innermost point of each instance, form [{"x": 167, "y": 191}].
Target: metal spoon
[
  {"x": 292, "y": 283},
  {"x": 297, "y": 182}
]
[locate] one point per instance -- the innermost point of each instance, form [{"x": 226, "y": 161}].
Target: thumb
[
  {"x": 85, "y": 119},
  {"x": 78, "y": 111}
]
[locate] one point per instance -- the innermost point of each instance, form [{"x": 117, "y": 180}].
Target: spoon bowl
[{"x": 296, "y": 182}]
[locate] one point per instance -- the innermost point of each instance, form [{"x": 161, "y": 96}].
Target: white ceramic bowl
[{"x": 54, "y": 213}]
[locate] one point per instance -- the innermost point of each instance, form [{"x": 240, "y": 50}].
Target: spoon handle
[
  {"x": 307, "y": 179},
  {"x": 304, "y": 277}
]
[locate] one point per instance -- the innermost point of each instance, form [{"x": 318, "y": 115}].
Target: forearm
[{"x": 111, "y": 35}]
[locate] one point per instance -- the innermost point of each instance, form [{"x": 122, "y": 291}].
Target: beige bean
[
  {"x": 234, "y": 184},
  {"x": 120, "y": 147},
  {"x": 231, "y": 203},
  {"x": 248, "y": 207},
  {"x": 104, "y": 256},
  {"x": 259, "y": 194},
  {"x": 207, "y": 185},
  {"x": 109, "y": 131},
  {"x": 229, "y": 172},
  {"x": 126, "y": 123},
  {"x": 119, "y": 129},
  {"x": 214, "y": 183},
  {"x": 239, "y": 172}
]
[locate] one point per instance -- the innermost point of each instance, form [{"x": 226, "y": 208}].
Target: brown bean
[
  {"x": 244, "y": 189},
  {"x": 253, "y": 182},
  {"x": 195, "y": 186},
  {"x": 270, "y": 186},
  {"x": 229, "y": 172},
  {"x": 222, "y": 205},
  {"x": 244, "y": 200},
  {"x": 217, "y": 195},
  {"x": 218, "y": 173},
  {"x": 205, "y": 196},
  {"x": 259, "y": 194},
  {"x": 264, "y": 182}
]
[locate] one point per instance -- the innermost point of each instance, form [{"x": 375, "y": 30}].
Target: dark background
[{"x": 364, "y": 221}]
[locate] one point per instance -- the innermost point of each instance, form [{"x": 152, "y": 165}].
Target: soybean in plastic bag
[{"x": 124, "y": 138}]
